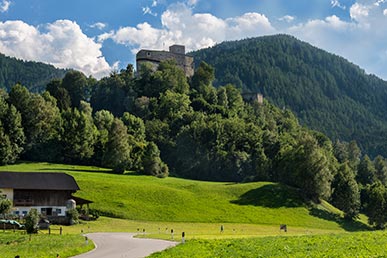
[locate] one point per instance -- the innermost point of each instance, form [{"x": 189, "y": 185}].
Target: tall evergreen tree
[
  {"x": 376, "y": 206},
  {"x": 117, "y": 152},
  {"x": 152, "y": 162},
  {"x": 366, "y": 171},
  {"x": 346, "y": 194},
  {"x": 381, "y": 169}
]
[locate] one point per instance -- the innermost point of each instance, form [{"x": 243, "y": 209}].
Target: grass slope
[{"x": 145, "y": 198}]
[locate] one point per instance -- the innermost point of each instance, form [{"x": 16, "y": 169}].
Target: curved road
[{"x": 123, "y": 245}]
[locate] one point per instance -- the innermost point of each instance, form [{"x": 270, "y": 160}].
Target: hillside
[
  {"x": 146, "y": 198},
  {"x": 33, "y": 75},
  {"x": 327, "y": 92}
]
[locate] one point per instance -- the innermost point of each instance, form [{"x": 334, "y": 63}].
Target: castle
[{"x": 176, "y": 52}]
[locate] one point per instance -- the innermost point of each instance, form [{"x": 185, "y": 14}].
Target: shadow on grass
[
  {"x": 77, "y": 170},
  {"x": 271, "y": 196},
  {"x": 106, "y": 171},
  {"x": 348, "y": 225}
]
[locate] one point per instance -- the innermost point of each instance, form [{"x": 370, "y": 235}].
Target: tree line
[{"x": 159, "y": 123}]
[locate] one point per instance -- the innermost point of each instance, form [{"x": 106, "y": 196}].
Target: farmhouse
[
  {"x": 49, "y": 193},
  {"x": 176, "y": 52}
]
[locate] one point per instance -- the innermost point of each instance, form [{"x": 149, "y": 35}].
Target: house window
[
  {"x": 148, "y": 53},
  {"x": 24, "y": 213},
  {"x": 17, "y": 213},
  {"x": 46, "y": 211},
  {"x": 56, "y": 212}
]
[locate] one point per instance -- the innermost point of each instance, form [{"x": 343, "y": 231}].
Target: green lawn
[
  {"x": 365, "y": 244},
  {"x": 42, "y": 245}
]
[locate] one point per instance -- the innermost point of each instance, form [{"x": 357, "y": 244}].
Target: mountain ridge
[
  {"x": 33, "y": 75},
  {"x": 327, "y": 92}
]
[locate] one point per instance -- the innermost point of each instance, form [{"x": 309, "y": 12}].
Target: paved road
[{"x": 123, "y": 245}]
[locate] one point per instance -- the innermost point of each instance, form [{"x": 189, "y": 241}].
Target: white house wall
[
  {"x": 7, "y": 192},
  {"x": 20, "y": 210}
]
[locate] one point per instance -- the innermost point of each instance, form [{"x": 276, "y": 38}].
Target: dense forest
[
  {"x": 160, "y": 123},
  {"x": 32, "y": 75},
  {"x": 326, "y": 92}
]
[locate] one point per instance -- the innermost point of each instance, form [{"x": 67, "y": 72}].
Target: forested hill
[
  {"x": 33, "y": 75},
  {"x": 327, "y": 92}
]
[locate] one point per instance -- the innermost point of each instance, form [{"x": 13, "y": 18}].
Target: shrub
[
  {"x": 73, "y": 216},
  {"x": 32, "y": 220}
]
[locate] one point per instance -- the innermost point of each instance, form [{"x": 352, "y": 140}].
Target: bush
[
  {"x": 73, "y": 216},
  {"x": 32, "y": 220}
]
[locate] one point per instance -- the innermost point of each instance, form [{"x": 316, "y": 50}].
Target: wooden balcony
[{"x": 23, "y": 202}]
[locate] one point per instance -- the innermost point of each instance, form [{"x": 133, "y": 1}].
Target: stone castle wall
[{"x": 176, "y": 53}]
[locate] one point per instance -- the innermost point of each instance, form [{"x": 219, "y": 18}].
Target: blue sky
[{"x": 99, "y": 36}]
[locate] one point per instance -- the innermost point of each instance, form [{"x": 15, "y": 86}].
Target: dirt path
[{"x": 123, "y": 245}]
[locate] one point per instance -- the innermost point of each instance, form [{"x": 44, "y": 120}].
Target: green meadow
[
  {"x": 364, "y": 244},
  {"x": 153, "y": 207},
  {"x": 42, "y": 245}
]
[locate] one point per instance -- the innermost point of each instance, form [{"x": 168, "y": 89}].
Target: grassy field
[
  {"x": 148, "y": 198},
  {"x": 365, "y": 244},
  {"x": 42, "y": 245},
  {"x": 153, "y": 206}
]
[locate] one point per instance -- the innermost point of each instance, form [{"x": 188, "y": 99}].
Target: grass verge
[{"x": 42, "y": 245}]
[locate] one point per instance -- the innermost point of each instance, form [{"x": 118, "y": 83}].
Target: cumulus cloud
[
  {"x": 63, "y": 44},
  {"x": 181, "y": 26},
  {"x": 361, "y": 40},
  {"x": 379, "y": 2},
  {"x": 287, "y": 18},
  {"x": 98, "y": 25},
  {"x": 4, "y": 5},
  {"x": 359, "y": 12}
]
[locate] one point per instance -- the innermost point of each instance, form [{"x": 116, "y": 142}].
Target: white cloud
[
  {"x": 336, "y": 3},
  {"x": 287, "y": 18},
  {"x": 192, "y": 2},
  {"x": 181, "y": 26},
  {"x": 154, "y": 3},
  {"x": 377, "y": 3},
  {"x": 148, "y": 10},
  {"x": 361, "y": 40},
  {"x": 385, "y": 12},
  {"x": 4, "y": 5},
  {"x": 63, "y": 44},
  {"x": 359, "y": 12},
  {"x": 98, "y": 25}
]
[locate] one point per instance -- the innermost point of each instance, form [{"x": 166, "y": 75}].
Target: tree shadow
[
  {"x": 271, "y": 196},
  {"x": 77, "y": 170},
  {"x": 348, "y": 225}
]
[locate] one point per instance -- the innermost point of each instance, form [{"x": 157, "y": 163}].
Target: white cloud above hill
[
  {"x": 63, "y": 44},
  {"x": 195, "y": 30},
  {"x": 360, "y": 38}
]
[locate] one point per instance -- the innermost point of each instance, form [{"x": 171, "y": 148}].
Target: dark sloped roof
[
  {"x": 37, "y": 181},
  {"x": 81, "y": 201}
]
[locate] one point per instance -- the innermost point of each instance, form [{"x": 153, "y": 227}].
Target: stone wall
[{"x": 176, "y": 53}]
